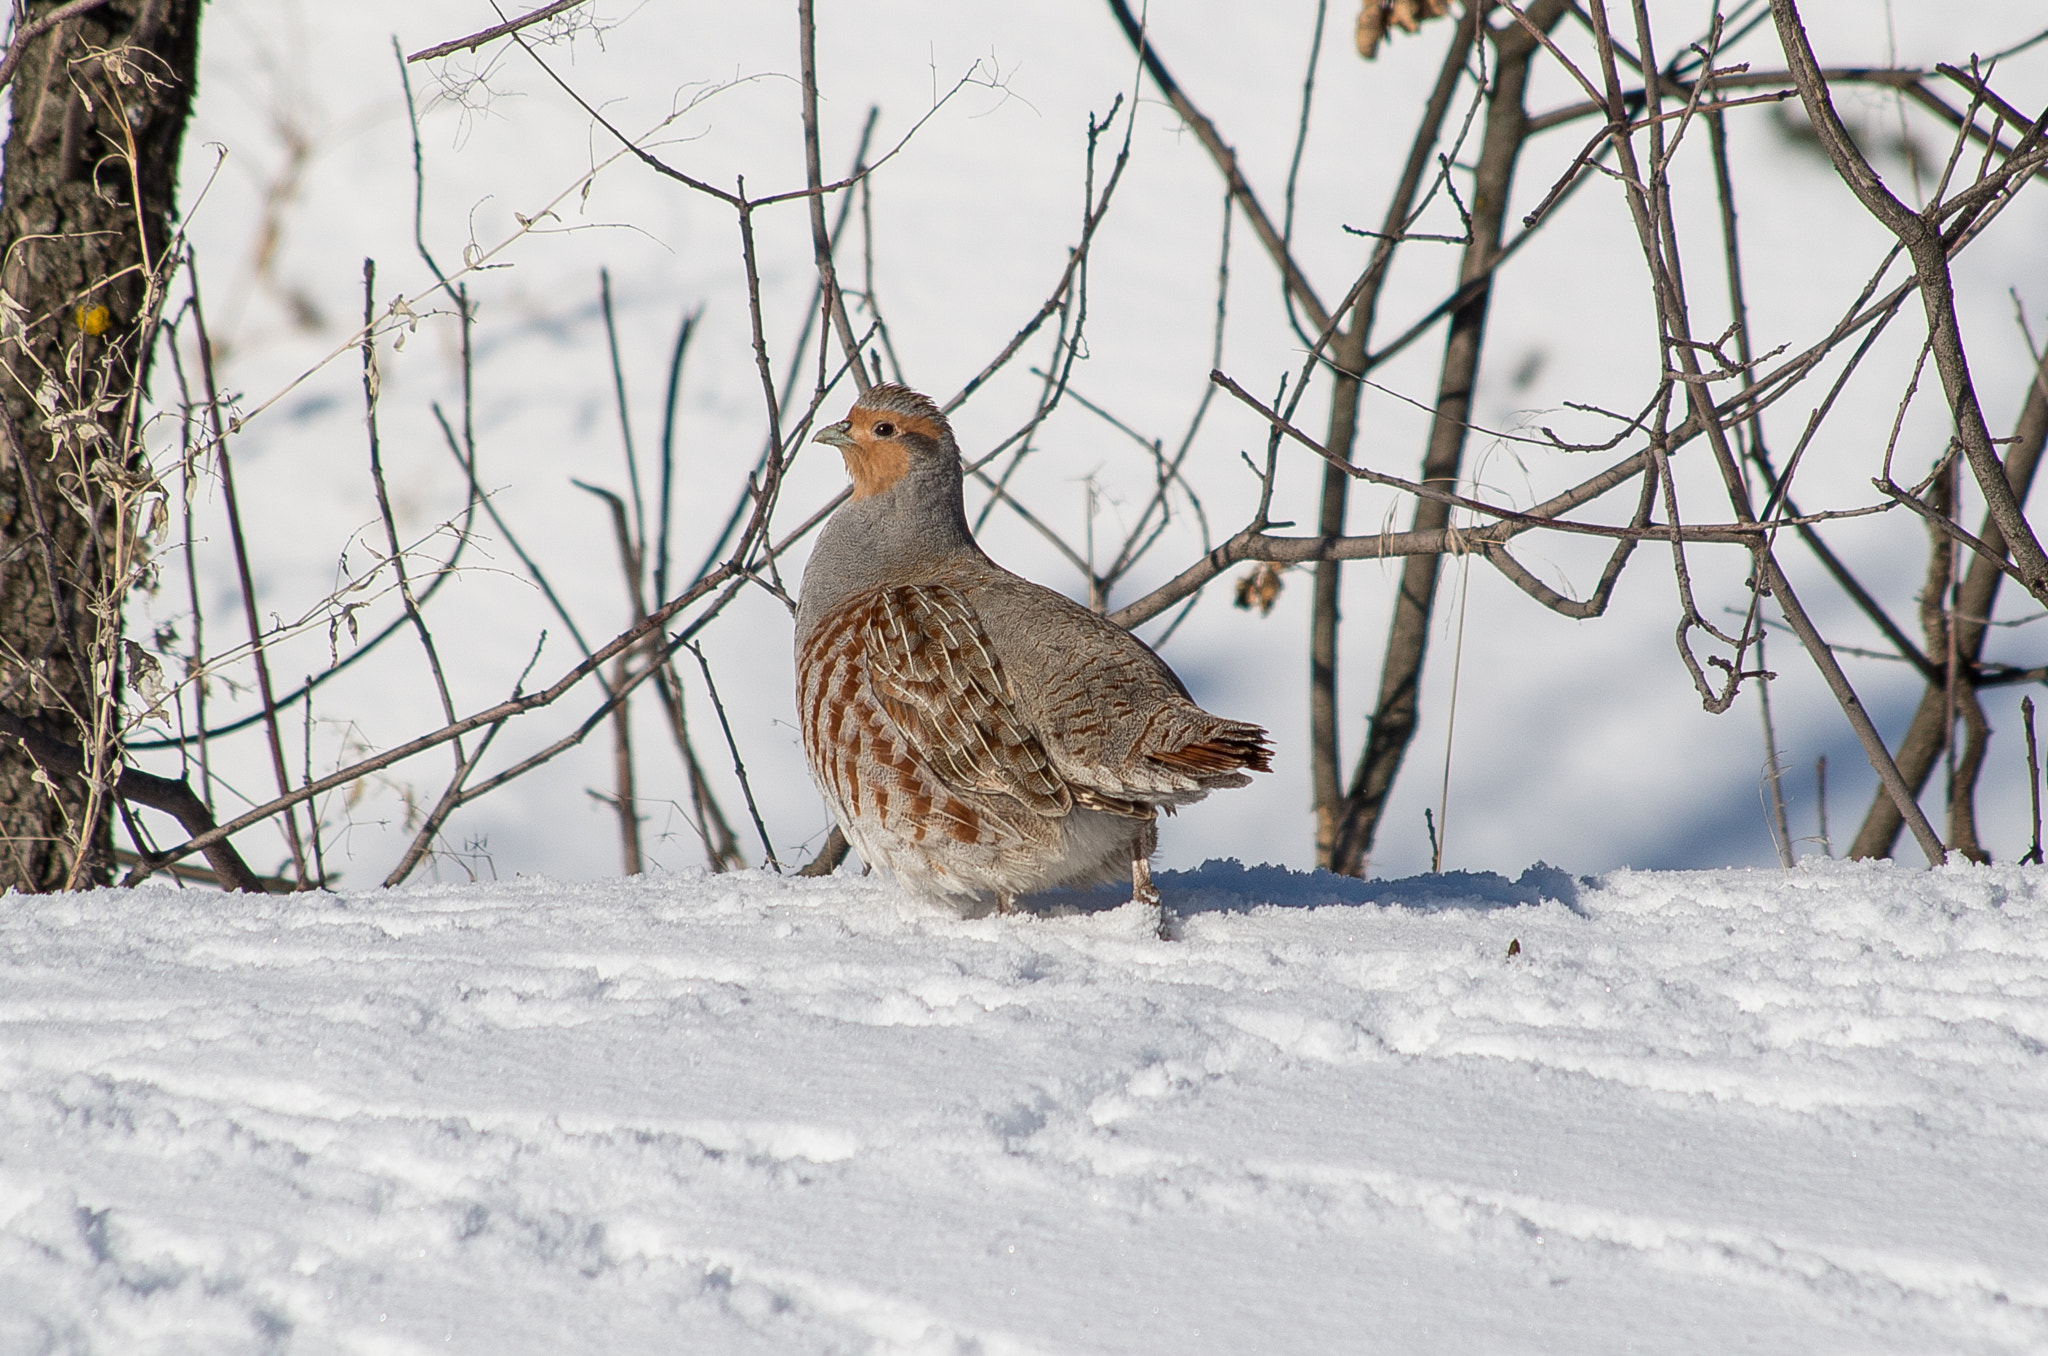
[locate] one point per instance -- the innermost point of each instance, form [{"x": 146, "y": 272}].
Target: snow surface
[{"x": 1707, "y": 1111}]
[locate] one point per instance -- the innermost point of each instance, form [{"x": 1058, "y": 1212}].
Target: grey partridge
[{"x": 980, "y": 736}]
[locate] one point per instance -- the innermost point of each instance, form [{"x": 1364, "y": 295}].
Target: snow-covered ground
[{"x": 1695, "y": 1112}]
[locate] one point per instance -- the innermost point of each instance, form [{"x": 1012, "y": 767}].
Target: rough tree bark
[{"x": 100, "y": 102}]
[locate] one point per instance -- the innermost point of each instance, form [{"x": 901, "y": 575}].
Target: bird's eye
[{"x": 885, "y": 430}]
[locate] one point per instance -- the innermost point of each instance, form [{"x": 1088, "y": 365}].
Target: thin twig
[
  {"x": 243, "y": 575},
  {"x": 739, "y": 765},
  {"x": 624, "y": 799},
  {"x": 371, "y": 384},
  {"x": 1923, "y": 241},
  {"x": 18, "y": 42},
  {"x": 430, "y": 828},
  {"x": 1225, "y": 157},
  {"x": 2033, "y": 779},
  {"x": 611, "y": 337},
  {"x": 495, "y": 31}
]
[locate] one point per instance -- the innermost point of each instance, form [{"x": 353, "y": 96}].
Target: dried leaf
[
  {"x": 1377, "y": 16},
  {"x": 1372, "y": 26},
  {"x": 145, "y": 674},
  {"x": 1260, "y": 589},
  {"x": 13, "y": 319}
]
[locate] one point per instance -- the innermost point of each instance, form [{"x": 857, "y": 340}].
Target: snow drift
[{"x": 1781, "y": 1111}]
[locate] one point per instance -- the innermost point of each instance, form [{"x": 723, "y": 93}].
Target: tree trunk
[
  {"x": 99, "y": 109},
  {"x": 1348, "y": 355},
  {"x": 1398, "y": 710},
  {"x": 1926, "y": 738}
]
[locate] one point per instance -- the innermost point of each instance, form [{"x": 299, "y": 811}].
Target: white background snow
[
  {"x": 1577, "y": 742},
  {"x": 548, "y": 1112}
]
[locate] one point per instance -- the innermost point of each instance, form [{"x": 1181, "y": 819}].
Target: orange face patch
[
  {"x": 874, "y": 465},
  {"x": 877, "y": 463}
]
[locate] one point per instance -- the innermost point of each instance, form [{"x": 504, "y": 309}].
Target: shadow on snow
[{"x": 1229, "y": 886}]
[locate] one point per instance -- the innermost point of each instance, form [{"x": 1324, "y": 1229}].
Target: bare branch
[
  {"x": 1923, "y": 241},
  {"x": 821, "y": 242},
  {"x": 19, "y": 40},
  {"x": 495, "y": 31},
  {"x": 174, "y": 798},
  {"x": 248, "y": 583},
  {"x": 1226, "y": 161}
]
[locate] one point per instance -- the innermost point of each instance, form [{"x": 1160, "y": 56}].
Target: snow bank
[{"x": 1773, "y": 1111}]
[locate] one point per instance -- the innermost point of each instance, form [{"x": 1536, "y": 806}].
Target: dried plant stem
[
  {"x": 2033, "y": 779},
  {"x": 1443, "y": 804},
  {"x": 1225, "y": 156},
  {"x": 1738, "y": 305},
  {"x": 451, "y": 798},
  {"x": 638, "y": 540},
  {"x": 624, "y": 798},
  {"x": 499, "y": 712},
  {"x": 739, "y": 765},
  {"x": 195, "y": 660},
  {"x": 721, "y": 849},
  {"x": 1774, "y": 772},
  {"x": 786, "y": 400},
  {"x": 1820, "y": 798}
]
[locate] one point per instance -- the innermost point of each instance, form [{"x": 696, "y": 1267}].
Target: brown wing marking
[{"x": 931, "y": 668}]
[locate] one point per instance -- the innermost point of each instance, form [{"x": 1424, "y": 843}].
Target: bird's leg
[
  {"x": 1143, "y": 891},
  {"x": 1006, "y": 903}
]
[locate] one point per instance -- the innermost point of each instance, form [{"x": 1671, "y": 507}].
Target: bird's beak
[{"x": 834, "y": 435}]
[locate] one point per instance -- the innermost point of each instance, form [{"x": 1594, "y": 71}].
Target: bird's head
[{"x": 891, "y": 432}]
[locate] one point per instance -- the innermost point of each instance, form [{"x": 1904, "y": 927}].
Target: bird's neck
[{"x": 909, "y": 531}]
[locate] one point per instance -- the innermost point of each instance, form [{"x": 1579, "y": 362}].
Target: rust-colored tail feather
[{"x": 1233, "y": 750}]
